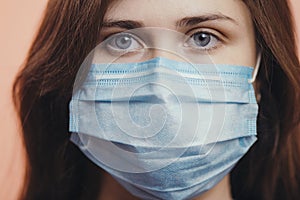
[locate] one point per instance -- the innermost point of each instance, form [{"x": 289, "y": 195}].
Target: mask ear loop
[{"x": 257, "y": 66}]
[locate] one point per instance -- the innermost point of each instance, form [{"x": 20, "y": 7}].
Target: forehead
[{"x": 166, "y": 12}]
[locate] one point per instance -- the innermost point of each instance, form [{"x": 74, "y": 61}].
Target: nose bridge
[
  {"x": 166, "y": 43},
  {"x": 166, "y": 53},
  {"x": 173, "y": 45}
]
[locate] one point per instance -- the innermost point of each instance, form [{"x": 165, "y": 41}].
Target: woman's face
[
  {"x": 222, "y": 29},
  {"x": 138, "y": 30}
]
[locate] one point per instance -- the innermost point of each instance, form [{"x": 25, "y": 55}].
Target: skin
[{"x": 231, "y": 30}]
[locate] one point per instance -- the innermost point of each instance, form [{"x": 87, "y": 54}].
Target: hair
[{"x": 56, "y": 168}]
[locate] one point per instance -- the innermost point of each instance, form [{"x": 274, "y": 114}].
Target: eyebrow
[
  {"x": 187, "y": 21},
  {"x": 191, "y": 21},
  {"x": 125, "y": 24}
]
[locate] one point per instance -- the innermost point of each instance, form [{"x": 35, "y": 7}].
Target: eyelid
[
  {"x": 114, "y": 50},
  {"x": 106, "y": 38},
  {"x": 123, "y": 33},
  {"x": 217, "y": 34},
  {"x": 210, "y": 47}
]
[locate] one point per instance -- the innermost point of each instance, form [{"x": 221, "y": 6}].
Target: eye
[
  {"x": 202, "y": 40},
  {"x": 123, "y": 43}
]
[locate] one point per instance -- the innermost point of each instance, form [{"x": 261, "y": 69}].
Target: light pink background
[{"x": 19, "y": 21}]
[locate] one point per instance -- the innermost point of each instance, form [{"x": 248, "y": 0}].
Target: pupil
[
  {"x": 123, "y": 42},
  {"x": 202, "y": 39}
]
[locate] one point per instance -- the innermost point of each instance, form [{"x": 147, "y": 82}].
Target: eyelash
[
  {"x": 209, "y": 33},
  {"x": 112, "y": 37}
]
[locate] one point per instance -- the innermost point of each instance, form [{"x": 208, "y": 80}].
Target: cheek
[{"x": 240, "y": 50}]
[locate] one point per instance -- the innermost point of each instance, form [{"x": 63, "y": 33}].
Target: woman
[{"x": 237, "y": 32}]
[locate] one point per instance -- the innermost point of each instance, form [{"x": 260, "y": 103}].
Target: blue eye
[
  {"x": 202, "y": 40},
  {"x": 123, "y": 43}
]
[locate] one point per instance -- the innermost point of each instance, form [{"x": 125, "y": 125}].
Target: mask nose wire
[{"x": 256, "y": 68}]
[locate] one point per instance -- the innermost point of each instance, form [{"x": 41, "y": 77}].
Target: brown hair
[
  {"x": 270, "y": 169},
  {"x": 58, "y": 170}
]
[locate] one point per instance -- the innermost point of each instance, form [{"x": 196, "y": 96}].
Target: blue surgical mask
[{"x": 165, "y": 129}]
